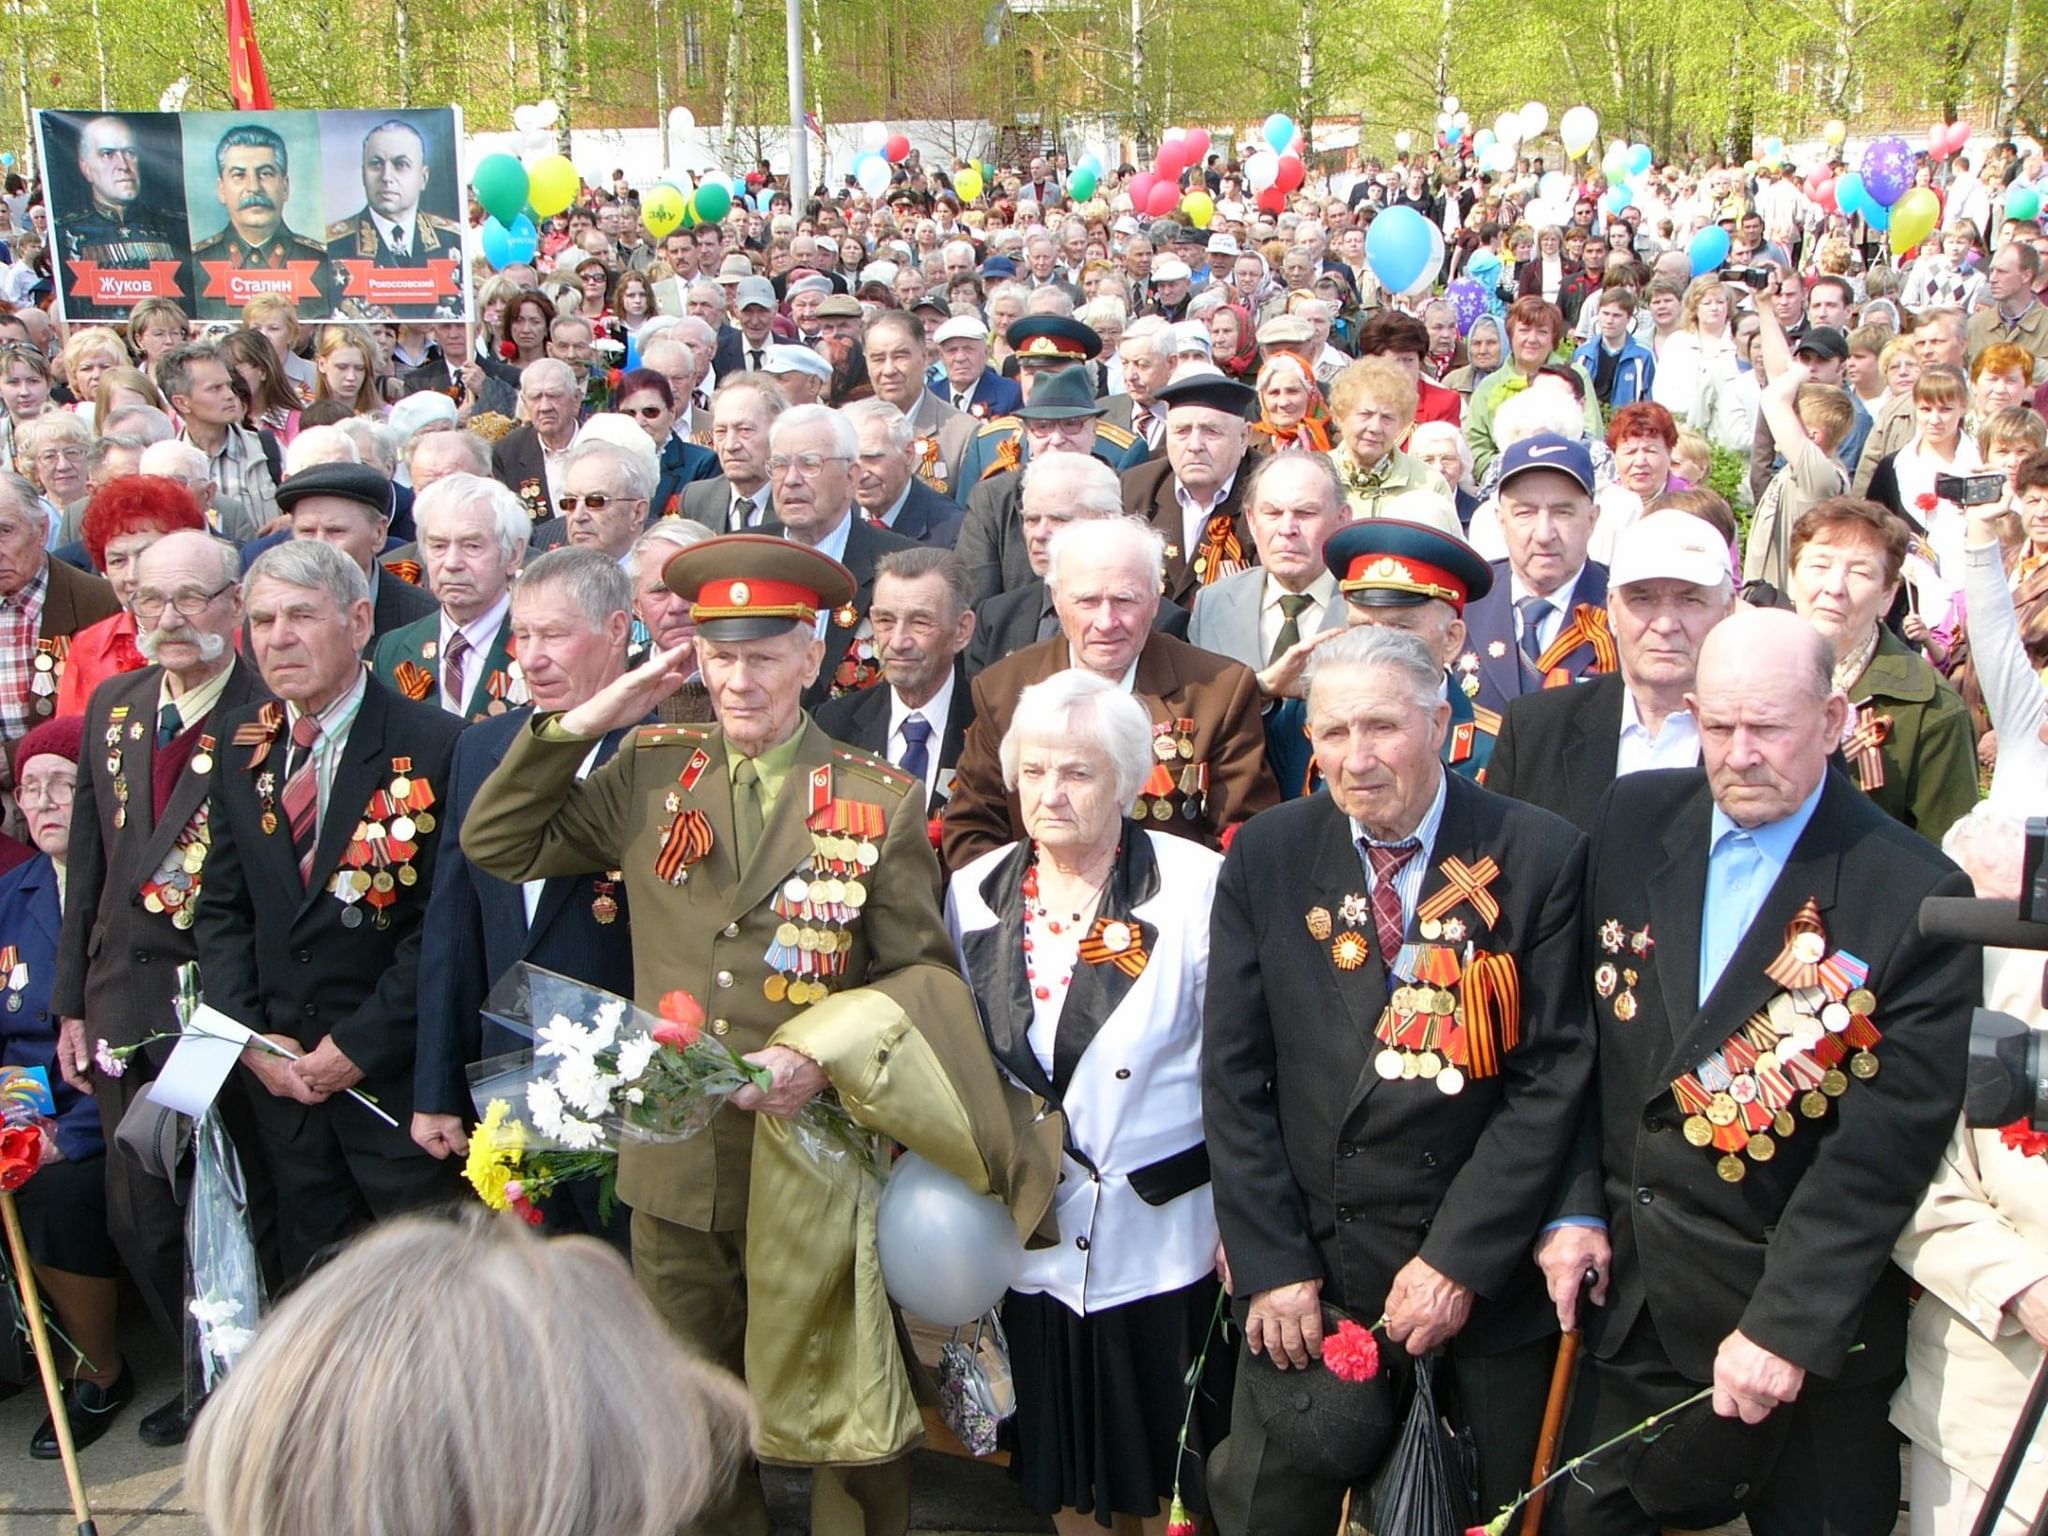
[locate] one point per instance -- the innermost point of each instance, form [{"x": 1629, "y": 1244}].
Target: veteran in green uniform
[{"x": 786, "y": 882}]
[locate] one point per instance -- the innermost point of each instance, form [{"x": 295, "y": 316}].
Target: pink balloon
[
  {"x": 1162, "y": 199},
  {"x": 1824, "y": 193},
  {"x": 1141, "y": 189},
  {"x": 1197, "y": 145},
  {"x": 1958, "y": 136},
  {"x": 1291, "y": 173}
]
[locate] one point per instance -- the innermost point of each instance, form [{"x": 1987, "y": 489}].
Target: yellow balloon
[
  {"x": 1913, "y": 219},
  {"x": 968, "y": 184},
  {"x": 1199, "y": 207},
  {"x": 1835, "y": 132},
  {"x": 661, "y": 210},
  {"x": 551, "y": 185}
]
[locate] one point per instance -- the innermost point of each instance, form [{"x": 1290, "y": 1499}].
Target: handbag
[{"x": 976, "y": 1393}]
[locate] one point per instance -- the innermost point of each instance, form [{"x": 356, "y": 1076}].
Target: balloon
[
  {"x": 712, "y": 202},
  {"x": 1887, "y": 168},
  {"x": 500, "y": 184},
  {"x": 1451, "y": 104},
  {"x": 1262, "y": 170},
  {"x": 1535, "y": 118},
  {"x": 551, "y": 185},
  {"x": 661, "y": 209},
  {"x": 895, "y": 148},
  {"x": 947, "y": 1254},
  {"x": 1824, "y": 193},
  {"x": 1773, "y": 147},
  {"x": 1554, "y": 187},
  {"x": 1431, "y": 265},
  {"x": 1618, "y": 198},
  {"x": 1497, "y": 159},
  {"x": 1279, "y": 131},
  {"x": 506, "y": 246},
  {"x": 1958, "y": 136},
  {"x": 1162, "y": 199},
  {"x": 1272, "y": 200},
  {"x": 968, "y": 184},
  {"x": 1199, "y": 207},
  {"x": 1468, "y": 298},
  {"x": 546, "y": 112},
  {"x": 2023, "y": 203},
  {"x": 1483, "y": 140},
  {"x": 1454, "y": 132},
  {"x": 7, "y": 160},
  {"x": 1640, "y": 159},
  {"x": 1507, "y": 128},
  {"x": 1173, "y": 135},
  {"x": 1578, "y": 128},
  {"x": 1091, "y": 162},
  {"x": 873, "y": 136},
  {"x": 1849, "y": 196},
  {"x": 1397, "y": 248},
  {"x": 1402, "y": 140},
  {"x": 1913, "y": 219},
  {"x": 1937, "y": 141},
  {"x": 1141, "y": 189},
  {"x": 1709, "y": 250},
  {"x": 1875, "y": 217},
  {"x": 1835, "y": 132},
  {"x": 1291, "y": 173},
  {"x": 871, "y": 171},
  {"x": 1197, "y": 145}
]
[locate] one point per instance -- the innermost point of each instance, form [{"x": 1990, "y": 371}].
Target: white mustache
[{"x": 150, "y": 641}]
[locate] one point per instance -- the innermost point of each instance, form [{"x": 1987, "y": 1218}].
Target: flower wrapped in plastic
[{"x": 602, "y": 1071}]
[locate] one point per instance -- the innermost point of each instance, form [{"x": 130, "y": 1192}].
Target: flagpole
[{"x": 799, "y": 147}]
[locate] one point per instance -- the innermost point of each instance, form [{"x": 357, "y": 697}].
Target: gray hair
[
  {"x": 108, "y": 444},
  {"x": 376, "y": 444},
  {"x": 589, "y": 578},
  {"x": 922, "y": 560},
  {"x": 314, "y": 565},
  {"x": 1078, "y": 706},
  {"x": 1426, "y": 432},
  {"x": 28, "y": 501},
  {"x": 765, "y": 389},
  {"x": 1373, "y": 645},
  {"x": 688, "y": 329},
  {"x": 635, "y": 472},
  {"x": 473, "y": 448},
  {"x": 1049, "y": 301},
  {"x": 144, "y": 423},
  {"x": 798, "y": 418},
  {"x": 175, "y": 459},
  {"x": 320, "y": 445},
  {"x": 1013, "y": 289},
  {"x": 459, "y": 492},
  {"x": 675, "y": 532},
  {"x": 548, "y": 372},
  {"x": 50, "y": 428},
  {"x": 1102, "y": 539},
  {"x": 705, "y": 288},
  {"x": 1321, "y": 467},
  {"x": 1078, "y": 480},
  {"x": 901, "y": 431}
]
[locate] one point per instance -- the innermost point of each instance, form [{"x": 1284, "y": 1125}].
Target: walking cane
[
  {"x": 1553, "y": 1414},
  {"x": 53, "y": 1391}
]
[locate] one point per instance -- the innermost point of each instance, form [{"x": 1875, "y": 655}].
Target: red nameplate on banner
[
  {"x": 428, "y": 283},
  {"x": 92, "y": 283},
  {"x": 238, "y": 285}
]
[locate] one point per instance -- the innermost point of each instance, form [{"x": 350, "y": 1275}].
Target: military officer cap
[
  {"x": 744, "y": 586},
  {"x": 1052, "y": 339},
  {"x": 1061, "y": 395},
  {"x": 1206, "y": 386},
  {"x": 1384, "y": 562},
  {"x": 351, "y": 482}
]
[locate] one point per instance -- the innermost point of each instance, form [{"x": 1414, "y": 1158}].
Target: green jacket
[
  {"x": 1928, "y": 755},
  {"x": 408, "y": 662},
  {"x": 1486, "y": 397}
]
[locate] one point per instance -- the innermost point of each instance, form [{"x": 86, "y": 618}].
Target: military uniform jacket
[
  {"x": 408, "y": 661},
  {"x": 1149, "y": 497},
  {"x": 283, "y": 251},
  {"x": 1222, "y": 776},
  {"x": 119, "y": 956},
  {"x": 355, "y": 239},
  {"x": 999, "y": 445},
  {"x": 1325, "y": 1170},
  {"x": 1923, "y": 769},
  {"x": 130, "y": 239},
  {"x": 277, "y": 954},
  {"x": 1797, "y": 1252}
]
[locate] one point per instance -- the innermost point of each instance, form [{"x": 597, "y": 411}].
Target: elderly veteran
[{"x": 1372, "y": 405}]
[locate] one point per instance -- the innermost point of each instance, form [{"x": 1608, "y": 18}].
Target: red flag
[{"x": 247, "y": 81}]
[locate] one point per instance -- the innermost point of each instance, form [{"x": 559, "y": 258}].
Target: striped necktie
[{"x": 302, "y": 794}]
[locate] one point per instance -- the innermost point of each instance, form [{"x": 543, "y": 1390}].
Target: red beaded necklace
[{"x": 1034, "y": 909}]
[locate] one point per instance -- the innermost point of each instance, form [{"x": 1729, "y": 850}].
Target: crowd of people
[{"x": 1346, "y": 809}]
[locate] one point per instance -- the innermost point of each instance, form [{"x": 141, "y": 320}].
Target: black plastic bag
[{"x": 1425, "y": 1486}]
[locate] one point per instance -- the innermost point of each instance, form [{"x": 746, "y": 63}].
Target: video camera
[{"x": 2008, "y": 1077}]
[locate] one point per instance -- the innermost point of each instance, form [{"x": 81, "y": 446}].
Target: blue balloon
[
  {"x": 510, "y": 245},
  {"x": 1709, "y": 250},
  {"x": 1639, "y": 159},
  {"x": 1279, "y": 132},
  {"x": 1874, "y": 216},
  {"x": 1397, "y": 248},
  {"x": 1617, "y": 198},
  {"x": 1849, "y": 193}
]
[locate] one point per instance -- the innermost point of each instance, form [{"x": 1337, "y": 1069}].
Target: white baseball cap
[
  {"x": 1188, "y": 336},
  {"x": 787, "y": 359},
  {"x": 1170, "y": 269},
  {"x": 962, "y": 328},
  {"x": 1670, "y": 546}
]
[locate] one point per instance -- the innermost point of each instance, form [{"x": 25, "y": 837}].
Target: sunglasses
[
  {"x": 648, "y": 412},
  {"x": 596, "y": 501}
]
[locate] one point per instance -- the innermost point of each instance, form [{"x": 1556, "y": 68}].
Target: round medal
[
  {"x": 1731, "y": 1169},
  {"x": 1431, "y": 929},
  {"x": 856, "y": 894},
  {"x": 775, "y": 988},
  {"x": 423, "y": 823},
  {"x": 1722, "y": 1109},
  {"x": 1450, "y": 1081},
  {"x": 1809, "y": 949},
  {"x": 407, "y": 875},
  {"x": 1864, "y": 1065},
  {"x": 795, "y": 889},
  {"x": 1428, "y": 1064},
  {"x": 1862, "y": 1001},
  {"x": 1387, "y": 1064},
  {"x": 1162, "y": 809},
  {"x": 182, "y": 918},
  {"x": 1813, "y": 1104},
  {"x": 202, "y": 762},
  {"x": 1782, "y": 1124},
  {"x": 1835, "y": 1084},
  {"x": 1834, "y": 1018},
  {"x": 1761, "y": 1149},
  {"x": 1699, "y": 1130},
  {"x": 402, "y": 828},
  {"x": 351, "y": 917}
]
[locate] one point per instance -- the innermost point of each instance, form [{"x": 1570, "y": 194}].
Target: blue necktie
[
  {"x": 917, "y": 734},
  {"x": 1534, "y": 610}
]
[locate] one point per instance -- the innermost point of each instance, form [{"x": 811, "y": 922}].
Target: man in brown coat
[{"x": 1210, "y": 771}]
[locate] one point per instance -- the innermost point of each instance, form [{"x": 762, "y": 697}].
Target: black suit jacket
[
  {"x": 1558, "y": 748},
  {"x": 862, "y": 720},
  {"x": 1798, "y": 1253},
  {"x": 434, "y": 374},
  {"x": 1322, "y": 1169},
  {"x": 1008, "y": 622},
  {"x": 847, "y": 627},
  {"x": 927, "y": 517},
  {"x": 518, "y": 464},
  {"x": 476, "y": 930},
  {"x": 275, "y": 953},
  {"x": 1148, "y": 495},
  {"x": 730, "y": 358}
]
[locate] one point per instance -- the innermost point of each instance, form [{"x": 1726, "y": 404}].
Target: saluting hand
[
  {"x": 628, "y": 698},
  {"x": 1286, "y": 678},
  {"x": 1750, "y": 1381}
]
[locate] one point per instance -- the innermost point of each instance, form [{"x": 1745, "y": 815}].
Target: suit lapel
[
  {"x": 497, "y": 659},
  {"x": 362, "y": 769},
  {"x": 1675, "y": 890},
  {"x": 1493, "y": 640},
  {"x": 1592, "y": 750},
  {"x": 189, "y": 792},
  {"x": 995, "y": 959},
  {"x": 1097, "y": 991},
  {"x": 138, "y": 754}
]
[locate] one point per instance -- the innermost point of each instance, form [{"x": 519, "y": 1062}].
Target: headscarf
[
  {"x": 1245, "y": 359},
  {"x": 1312, "y": 432}
]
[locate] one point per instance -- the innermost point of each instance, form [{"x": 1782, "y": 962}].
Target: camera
[
  {"x": 1751, "y": 277},
  {"x": 1970, "y": 490},
  {"x": 2008, "y": 1067}
]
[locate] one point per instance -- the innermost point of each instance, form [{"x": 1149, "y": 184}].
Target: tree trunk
[
  {"x": 661, "y": 85},
  {"x": 401, "y": 29},
  {"x": 1305, "y": 81},
  {"x": 2009, "y": 73},
  {"x": 735, "y": 58},
  {"x": 99, "y": 54},
  {"x": 28, "y": 136},
  {"x": 554, "y": 64},
  {"x": 1443, "y": 56},
  {"x": 1141, "y": 123}
]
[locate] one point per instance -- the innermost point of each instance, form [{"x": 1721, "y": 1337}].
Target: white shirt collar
[
  {"x": 482, "y": 631},
  {"x": 888, "y": 519},
  {"x": 1560, "y": 599},
  {"x": 1319, "y": 592},
  {"x": 834, "y": 543},
  {"x": 397, "y": 233}
]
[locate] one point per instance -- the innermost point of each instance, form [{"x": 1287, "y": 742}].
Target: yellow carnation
[{"x": 495, "y": 1147}]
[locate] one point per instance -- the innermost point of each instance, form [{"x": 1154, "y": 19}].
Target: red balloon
[
  {"x": 1291, "y": 173},
  {"x": 1141, "y": 189},
  {"x": 1273, "y": 200},
  {"x": 1197, "y": 145},
  {"x": 1824, "y": 193},
  {"x": 1171, "y": 160},
  {"x": 1162, "y": 199},
  {"x": 896, "y": 148}
]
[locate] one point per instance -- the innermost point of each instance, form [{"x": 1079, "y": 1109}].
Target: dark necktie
[
  {"x": 742, "y": 510},
  {"x": 168, "y": 723},
  {"x": 959, "y": 401},
  {"x": 916, "y": 759},
  {"x": 747, "y": 819},
  {"x": 1387, "y": 860},
  {"x": 1292, "y": 606},
  {"x": 755, "y": 354},
  {"x": 302, "y": 794},
  {"x": 454, "y": 663},
  {"x": 1534, "y": 610}
]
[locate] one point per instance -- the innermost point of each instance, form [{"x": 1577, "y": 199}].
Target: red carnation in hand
[
  {"x": 1178, "y": 1521},
  {"x": 21, "y": 1154},
  {"x": 1352, "y": 1353},
  {"x": 2024, "y": 1139},
  {"x": 683, "y": 1020},
  {"x": 1927, "y": 501}
]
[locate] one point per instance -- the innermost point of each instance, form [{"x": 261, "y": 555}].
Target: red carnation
[
  {"x": 2024, "y": 1139},
  {"x": 935, "y": 831},
  {"x": 508, "y": 349},
  {"x": 683, "y": 1018},
  {"x": 21, "y": 1154},
  {"x": 1927, "y": 501},
  {"x": 1352, "y": 1353}
]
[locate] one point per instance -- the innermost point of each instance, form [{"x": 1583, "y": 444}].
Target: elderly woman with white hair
[{"x": 1087, "y": 945}]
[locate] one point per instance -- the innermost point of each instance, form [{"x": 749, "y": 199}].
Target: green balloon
[
  {"x": 2023, "y": 203},
  {"x": 501, "y": 187},
  {"x": 1081, "y": 185},
  {"x": 713, "y": 201}
]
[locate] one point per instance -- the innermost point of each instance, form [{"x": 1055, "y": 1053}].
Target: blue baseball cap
[{"x": 1547, "y": 450}]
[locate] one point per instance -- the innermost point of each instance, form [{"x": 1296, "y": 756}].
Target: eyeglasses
[
  {"x": 596, "y": 501},
  {"x": 190, "y": 604},
  {"x": 806, "y": 464},
  {"x": 56, "y": 792},
  {"x": 648, "y": 412}
]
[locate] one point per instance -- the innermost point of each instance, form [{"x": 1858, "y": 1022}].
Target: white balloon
[
  {"x": 1535, "y": 118},
  {"x": 1443, "y": 122},
  {"x": 1497, "y": 159},
  {"x": 1464, "y": 119},
  {"x": 1402, "y": 140},
  {"x": 1173, "y": 135},
  {"x": 947, "y": 1253},
  {"x": 539, "y": 142},
  {"x": 1262, "y": 170},
  {"x": 874, "y": 136},
  {"x": 1507, "y": 129},
  {"x": 1450, "y": 104},
  {"x": 872, "y": 172},
  {"x": 549, "y": 112},
  {"x": 1579, "y": 127},
  {"x": 524, "y": 118},
  {"x": 1554, "y": 186},
  {"x": 681, "y": 119},
  {"x": 1430, "y": 268}
]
